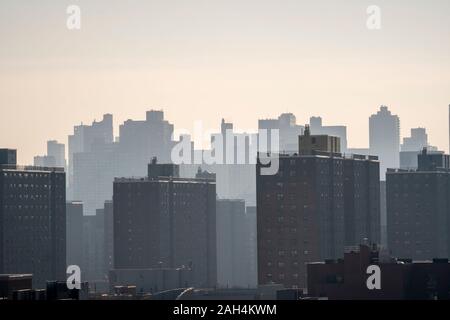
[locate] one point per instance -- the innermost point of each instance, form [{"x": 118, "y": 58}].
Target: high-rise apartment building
[
  {"x": 418, "y": 209},
  {"x": 166, "y": 222},
  {"x": 32, "y": 220},
  {"x": 318, "y": 202}
]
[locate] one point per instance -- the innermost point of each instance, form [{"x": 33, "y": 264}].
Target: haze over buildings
[
  {"x": 208, "y": 60},
  {"x": 100, "y": 112}
]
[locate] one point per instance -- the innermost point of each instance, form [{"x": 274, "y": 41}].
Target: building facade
[
  {"x": 309, "y": 210},
  {"x": 418, "y": 209},
  {"x": 166, "y": 222},
  {"x": 235, "y": 243},
  {"x": 33, "y": 222}
]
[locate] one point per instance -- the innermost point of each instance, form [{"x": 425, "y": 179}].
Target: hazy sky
[{"x": 203, "y": 60}]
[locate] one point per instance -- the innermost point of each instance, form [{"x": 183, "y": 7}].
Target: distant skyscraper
[
  {"x": 412, "y": 147},
  {"x": 57, "y": 151},
  {"x": 337, "y": 131},
  {"x": 94, "y": 173},
  {"x": 8, "y": 157},
  {"x": 55, "y": 156},
  {"x": 95, "y": 168},
  {"x": 87, "y": 138},
  {"x": 140, "y": 141},
  {"x": 316, "y": 203},
  {"x": 235, "y": 175},
  {"x": 166, "y": 222},
  {"x": 417, "y": 141},
  {"x": 384, "y": 136},
  {"x": 418, "y": 207},
  {"x": 44, "y": 161},
  {"x": 32, "y": 220},
  {"x": 288, "y": 130}
]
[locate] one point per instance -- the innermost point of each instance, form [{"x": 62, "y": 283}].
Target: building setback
[
  {"x": 166, "y": 222},
  {"x": 308, "y": 211},
  {"x": 418, "y": 209},
  {"x": 32, "y": 221}
]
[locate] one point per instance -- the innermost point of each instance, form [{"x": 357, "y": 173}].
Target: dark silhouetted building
[
  {"x": 10, "y": 283},
  {"x": 33, "y": 222},
  {"x": 346, "y": 279},
  {"x": 166, "y": 222},
  {"x": 308, "y": 210},
  {"x": 8, "y": 156},
  {"x": 418, "y": 209}
]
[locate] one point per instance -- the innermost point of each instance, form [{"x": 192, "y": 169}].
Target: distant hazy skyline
[{"x": 204, "y": 60}]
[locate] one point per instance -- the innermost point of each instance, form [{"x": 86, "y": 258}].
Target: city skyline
[
  {"x": 204, "y": 61},
  {"x": 25, "y": 157}
]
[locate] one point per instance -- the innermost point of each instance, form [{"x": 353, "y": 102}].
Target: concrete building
[
  {"x": 235, "y": 245},
  {"x": 93, "y": 266},
  {"x": 108, "y": 211},
  {"x": 362, "y": 199},
  {"x": 418, "y": 209},
  {"x": 32, "y": 221},
  {"x": 74, "y": 233},
  {"x": 346, "y": 279},
  {"x": 308, "y": 210},
  {"x": 384, "y": 138},
  {"x": 166, "y": 222}
]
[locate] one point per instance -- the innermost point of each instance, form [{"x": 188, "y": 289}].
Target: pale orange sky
[{"x": 204, "y": 60}]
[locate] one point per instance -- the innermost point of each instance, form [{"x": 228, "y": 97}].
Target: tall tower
[{"x": 384, "y": 136}]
